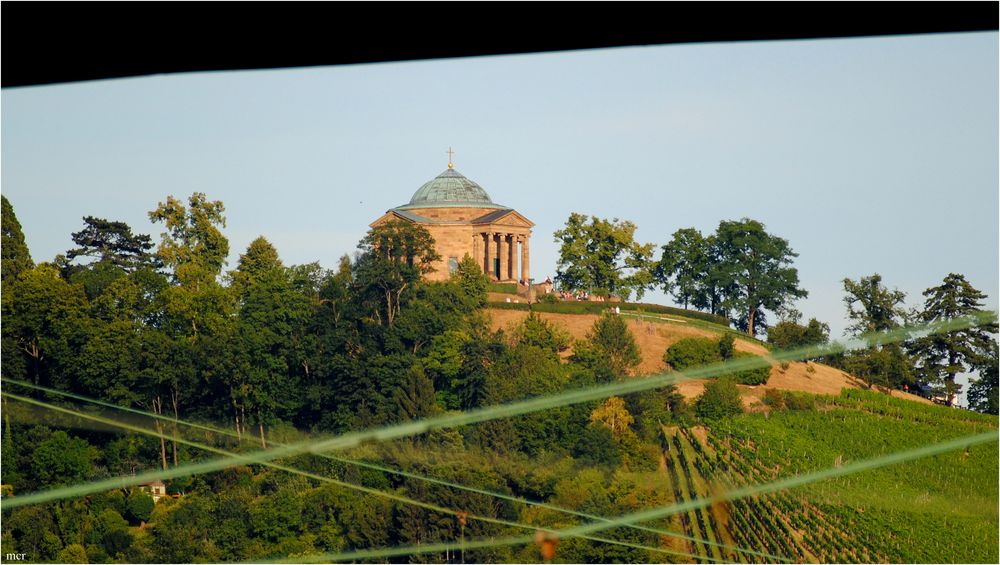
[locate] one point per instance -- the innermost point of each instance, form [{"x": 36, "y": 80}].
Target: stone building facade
[{"x": 462, "y": 219}]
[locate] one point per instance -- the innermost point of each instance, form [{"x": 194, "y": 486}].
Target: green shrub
[
  {"x": 799, "y": 401},
  {"x": 505, "y": 288},
  {"x": 752, "y": 377},
  {"x": 720, "y": 400},
  {"x": 546, "y": 298},
  {"x": 774, "y": 398},
  {"x": 784, "y": 366},
  {"x": 727, "y": 346},
  {"x": 692, "y": 352}
]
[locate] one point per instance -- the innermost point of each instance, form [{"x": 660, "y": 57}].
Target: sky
[{"x": 871, "y": 155}]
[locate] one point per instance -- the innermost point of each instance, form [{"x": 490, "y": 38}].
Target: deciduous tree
[
  {"x": 875, "y": 308},
  {"x": 755, "y": 270},
  {"x": 602, "y": 257},
  {"x": 685, "y": 268},
  {"x": 394, "y": 256}
]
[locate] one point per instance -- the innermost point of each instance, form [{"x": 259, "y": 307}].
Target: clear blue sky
[{"x": 868, "y": 155}]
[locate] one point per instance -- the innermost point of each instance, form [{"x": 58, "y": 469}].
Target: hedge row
[
  {"x": 506, "y": 288},
  {"x": 601, "y": 307}
]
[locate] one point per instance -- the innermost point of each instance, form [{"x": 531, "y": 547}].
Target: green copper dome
[{"x": 450, "y": 189}]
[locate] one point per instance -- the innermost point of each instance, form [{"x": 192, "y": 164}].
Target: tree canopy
[
  {"x": 755, "y": 271},
  {"x": 942, "y": 356},
  {"x": 602, "y": 257},
  {"x": 112, "y": 242},
  {"x": 16, "y": 257}
]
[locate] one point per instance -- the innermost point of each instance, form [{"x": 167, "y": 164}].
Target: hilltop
[{"x": 654, "y": 334}]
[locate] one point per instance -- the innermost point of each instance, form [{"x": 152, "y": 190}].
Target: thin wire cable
[
  {"x": 743, "y": 492},
  {"x": 352, "y": 486},
  {"x": 407, "y": 474},
  {"x": 488, "y": 413}
]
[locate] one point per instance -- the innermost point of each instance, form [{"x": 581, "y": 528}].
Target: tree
[
  {"x": 683, "y": 269},
  {"x": 193, "y": 245},
  {"x": 197, "y": 311},
  {"x": 610, "y": 345},
  {"x": 789, "y": 333},
  {"x": 44, "y": 325},
  {"x": 536, "y": 331},
  {"x": 473, "y": 281},
  {"x": 875, "y": 308},
  {"x": 415, "y": 399},
  {"x": 613, "y": 414},
  {"x": 394, "y": 256},
  {"x": 140, "y": 505},
  {"x": 721, "y": 399},
  {"x": 603, "y": 257},
  {"x": 270, "y": 311},
  {"x": 112, "y": 242},
  {"x": 982, "y": 394},
  {"x": 880, "y": 309},
  {"x": 754, "y": 269},
  {"x": 15, "y": 255},
  {"x": 63, "y": 460},
  {"x": 943, "y": 355}
]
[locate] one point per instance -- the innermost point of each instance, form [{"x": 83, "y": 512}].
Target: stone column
[
  {"x": 487, "y": 264},
  {"x": 503, "y": 251},
  {"x": 477, "y": 249},
  {"x": 525, "y": 271},
  {"x": 511, "y": 271}
]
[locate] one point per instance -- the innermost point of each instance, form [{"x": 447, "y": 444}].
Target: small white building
[{"x": 158, "y": 489}]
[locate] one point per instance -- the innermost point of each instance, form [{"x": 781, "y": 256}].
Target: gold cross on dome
[{"x": 450, "y": 164}]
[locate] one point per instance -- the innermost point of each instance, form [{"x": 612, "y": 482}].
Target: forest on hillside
[{"x": 267, "y": 354}]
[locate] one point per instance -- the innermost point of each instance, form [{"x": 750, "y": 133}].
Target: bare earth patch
[{"x": 654, "y": 339}]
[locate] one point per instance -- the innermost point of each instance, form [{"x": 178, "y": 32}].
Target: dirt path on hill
[{"x": 654, "y": 339}]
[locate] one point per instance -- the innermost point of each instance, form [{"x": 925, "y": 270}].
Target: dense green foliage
[
  {"x": 692, "y": 352},
  {"x": 602, "y": 257},
  {"x": 610, "y": 347},
  {"x": 278, "y": 353},
  {"x": 721, "y": 399},
  {"x": 16, "y": 257},
  {"x": 942, "y": 356},
  {"x": 790, "y": 334},
  {"x": 739, "y": 272},
  {"x": 275, "y": 351}
]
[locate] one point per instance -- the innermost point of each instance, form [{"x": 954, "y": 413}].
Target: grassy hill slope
[{"x": 654, "y": 334}]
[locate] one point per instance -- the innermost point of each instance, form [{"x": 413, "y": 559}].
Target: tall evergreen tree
[
  {"x": 15, "y": 256},
  {"x": 942, "y": 356},
  {"x": 112, "y": 242}
]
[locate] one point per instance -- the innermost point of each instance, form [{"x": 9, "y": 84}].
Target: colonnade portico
[{"x": 510, "y": 248}]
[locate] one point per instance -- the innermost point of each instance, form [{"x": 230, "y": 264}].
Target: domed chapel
[{"x": 462, "y": 218}]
